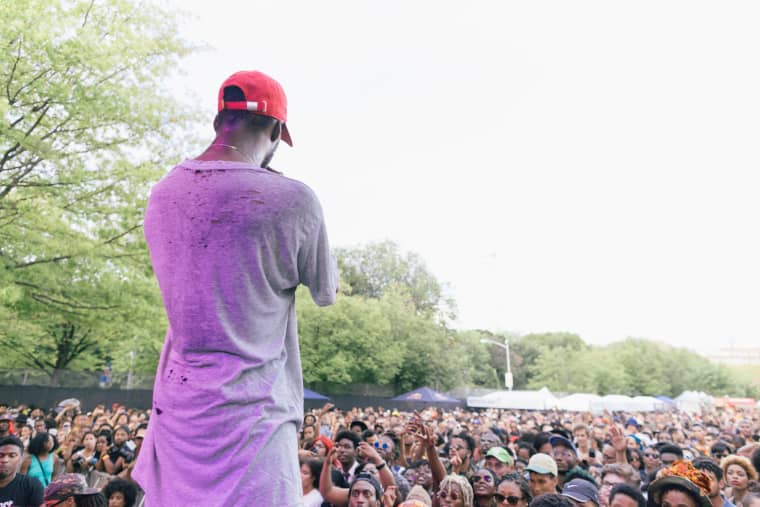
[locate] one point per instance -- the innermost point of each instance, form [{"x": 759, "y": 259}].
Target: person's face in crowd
[
  {"x": 668, "y": 458},
  {"x": 419, "y": 476},
  {"x": 319, "y": 449},
  {"x": 357, "y": 429},
  {"x": 581, "y": 438},
  {"x": 5, "y": 426},
  {"x": 698, "y": 434},
  {"x": 459, "y": 446},
  {"x": 595, "y": 470},
  {"x": 117, "y": 499},
  {"x": 609, "y": 482},
  {"x": 565, "y": 458},
  {"x": 49, "y": 444},
  {"x": 26, "y": 432},
  {"x": 139, "y": 438},
  {"x": 362, "y": 495},
  {"x": 371, "y": 439},
  {"x": 608, "y": 454},
  {"x": 542, "y": 483},
  {"x": 39, "y": 426},
  {"x": 736, "y": 477},
  {"x": 309, "y": 419},
  {"x": 635, "y": 460},
  {"x": 346, "y": 452},
  {"x": 677, "y": 498},
  {"x": 719, "y": 455},
  {"x": 483, "y": 483},
  {"x": 89, "y": 441},
  {"x": 371, "y": 469},
  {"x": 122, "y": 420},
  {"x": 37, "y": 413},
  {"x": 622, "y": 500},
  {"x": 80, "y": 420},
  {"x": 497, "y": 467},
  {"x": 651, "y": 458},
  {"x": 451, "y": 496},
  {"x": 120, "y": 437},
  {"x": 509, "y": 494},
  {"x": 101, "y": 444},
  {"x": 10, "y": 461},
  {"x": 745, "y": 428},
  {"x": 715, "y": 485},
  {"x": 631, "y": 443},
  {"x": 308, "y": 433},
  {"x": 678, "y": 437},
  {"x": 307, "y": 480},
  {"x": 664, "y": 436},
  {"x": 709, "y": 440},
  {"x": 487, "y": 440},
  {"x": 523, "y": 453},
  {"x": 599, "y": 432},
  {"x": 385, "y": 448}
]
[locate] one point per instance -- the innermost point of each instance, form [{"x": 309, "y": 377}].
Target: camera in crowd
[{"x": 121, "y": 452}]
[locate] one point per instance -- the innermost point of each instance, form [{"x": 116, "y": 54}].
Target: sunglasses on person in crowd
[
  {"x": 511, "y": 500},
  {"x": 384, "y": 446},
  {"x": 652, "y": 455},
  {"x": 448, "y": 495},
  {"x": 484, "y": 478}
]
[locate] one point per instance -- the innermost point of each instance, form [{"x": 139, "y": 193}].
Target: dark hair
[
  {"x": 468, "y": 440},
  {"x": 551, "y": 500},
  {"x": 672, "y": 449},
  {"x": 396, "y": 444},
  {"x": 126, "y": 488},
  {"x": 720, "y": 447},
  {"x": 521, "y": 483},
  {"x": 38, "y": 442},
  {"x": 97, "y": 500},
  {"x": 367, "y": 433},
  {"x": 708, "y": 465},
  {"x": 629, "y": 491},
  {"x": 368, "y": 478},
  {"x": 541, "y": 440},
  {"x": 524, "y": 444},
  {"x": 579, "y": 473},
  {"x": 755, "y": 459},
  {"x": 107, "y": 434},
  {"x": 12, "y": 440},
  {"x": 315, "y": 467},
  {"x": 349, "y": 435},
  {"x": 638, "y": 453}
]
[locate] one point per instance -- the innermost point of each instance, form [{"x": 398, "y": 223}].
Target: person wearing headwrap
[
  {"x": 680, "y": 485},
  {"x": 70, "y": 490},
  {"x": 321, "y": 445}
]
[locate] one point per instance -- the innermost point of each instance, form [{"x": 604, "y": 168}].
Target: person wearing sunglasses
[
  {"x": 455, "y": 491},
  {"x": 514, "y": 491},
  {"x": 483, "y": 483}
]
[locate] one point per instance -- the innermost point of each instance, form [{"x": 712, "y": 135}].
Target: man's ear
[
  {"x": 276, "y": 131},
  {"x": 217, "y": 123}
]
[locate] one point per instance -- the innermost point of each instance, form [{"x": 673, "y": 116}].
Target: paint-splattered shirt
[{"x": 229, "y": 243}]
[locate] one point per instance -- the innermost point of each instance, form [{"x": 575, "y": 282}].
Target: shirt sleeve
[{"x": 317, "y": 268}]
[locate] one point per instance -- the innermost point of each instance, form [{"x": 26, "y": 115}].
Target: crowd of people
[
  {"x": 373, "y": 457},
  {"x": 498, "y": 458}
]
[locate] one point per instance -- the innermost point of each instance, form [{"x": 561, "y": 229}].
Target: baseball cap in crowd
[
  {"x": 581, "y": 491},
  {"x": 499, "y": 453},
  {"x": 633, "y": 422},
  {"x": 261, "y": 95},
  {"x": 67, "y": 486},
  {"x": 542, "y": 464},
  {"x": 417, "y": 497},
  {"x": 559, "y": 440},
  {"x": 360, "y": 424},
  {"x": 5, "y": 416}
]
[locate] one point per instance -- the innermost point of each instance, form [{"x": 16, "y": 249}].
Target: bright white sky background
[{"x": 589, "y": 167}]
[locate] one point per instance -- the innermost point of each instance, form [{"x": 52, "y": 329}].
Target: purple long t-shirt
[{"x": 229, "y": 243}]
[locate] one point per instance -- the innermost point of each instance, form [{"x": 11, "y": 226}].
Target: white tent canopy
[
  {"x": 693, "y": 401},
  {"x": 579, "y": 402},
  {"x": 524, "y": 400}
]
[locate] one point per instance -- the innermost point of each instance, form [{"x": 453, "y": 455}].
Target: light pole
[{"x": 508, "y": 380}]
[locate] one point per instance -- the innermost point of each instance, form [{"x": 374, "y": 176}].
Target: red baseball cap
[{"x": 261, "y": 95}]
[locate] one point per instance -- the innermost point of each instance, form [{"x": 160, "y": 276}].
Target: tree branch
[{"x": 87, "y": 14}]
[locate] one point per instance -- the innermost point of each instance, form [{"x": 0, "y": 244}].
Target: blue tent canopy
[
  {"x": 425, "y": 395},
  {"x": 308, "y": 394}
]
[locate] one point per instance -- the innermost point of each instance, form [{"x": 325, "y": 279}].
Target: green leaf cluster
[{"x": 85, "y": 127}]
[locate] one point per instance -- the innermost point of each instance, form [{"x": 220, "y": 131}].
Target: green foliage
[
  {"x": 377, "y": 268},
  {"x": 84, "y": 130}
]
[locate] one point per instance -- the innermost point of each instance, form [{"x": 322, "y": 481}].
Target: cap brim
[
  {"x": 286, "y": 135},
  {"x": 578, "y": 498},
  {"x": 539, "y": 470}
]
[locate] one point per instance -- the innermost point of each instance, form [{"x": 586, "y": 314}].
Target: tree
[
  {"x": 374, "y": 269},
  {"x": 85, "y": 127}
]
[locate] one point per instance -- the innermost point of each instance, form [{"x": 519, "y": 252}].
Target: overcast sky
[{"x": 589, "y": 167}]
